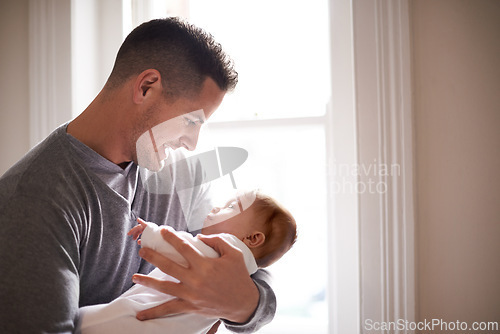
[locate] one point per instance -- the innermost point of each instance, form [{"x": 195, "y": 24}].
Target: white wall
[
  {"x": 456, "y": 54},
  {"x": 63, "y": 44},
  {"x": 97, "y": 33},
  {"x": 14, "y": 82}
]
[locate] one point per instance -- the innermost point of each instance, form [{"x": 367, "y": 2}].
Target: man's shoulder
[
  {"x": 47, "y": 168},
  {"x": 48, "y": 149}
]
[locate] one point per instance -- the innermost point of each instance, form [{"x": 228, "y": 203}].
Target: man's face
[
  {"x": 153, "y": 146},
  {"x": 178, "y": 125}
]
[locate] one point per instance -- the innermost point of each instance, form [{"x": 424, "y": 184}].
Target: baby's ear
[{"x": 254, "y": 240}]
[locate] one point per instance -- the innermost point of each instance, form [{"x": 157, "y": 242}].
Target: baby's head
[{"x": 264, "y": 225}]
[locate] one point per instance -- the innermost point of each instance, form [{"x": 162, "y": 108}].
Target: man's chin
[
  {"x": 151, "y": 161},
  {"x": 152, "y": 166}
]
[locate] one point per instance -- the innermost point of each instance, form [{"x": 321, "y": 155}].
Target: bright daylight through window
[{"x": 277, "y": 114}]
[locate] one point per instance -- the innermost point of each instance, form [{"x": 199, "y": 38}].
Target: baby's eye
[{"x": 230, "y": 206}]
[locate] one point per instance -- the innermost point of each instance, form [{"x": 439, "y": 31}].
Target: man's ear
[
  {"x": 144, "y": 84},
  {"x": 254, "y": 240}
]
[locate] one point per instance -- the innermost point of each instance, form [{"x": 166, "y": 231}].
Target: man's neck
[{"x": 101, "y": 128}]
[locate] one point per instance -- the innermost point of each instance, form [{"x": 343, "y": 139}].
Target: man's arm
[
  {"x": 39, "y": 286},
  {"x": 217, "y": 287},
  {"x": 264, "y": 312}
]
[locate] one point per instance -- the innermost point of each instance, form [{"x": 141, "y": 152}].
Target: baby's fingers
[{"x": 136, "y": 231}]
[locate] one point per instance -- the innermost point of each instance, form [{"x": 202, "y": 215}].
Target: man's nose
[{"x": 191, "y": 140}]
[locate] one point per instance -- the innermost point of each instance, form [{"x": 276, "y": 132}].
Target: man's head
[
  {"x": 182, "y": 53},
  {"x": 178, "y": 76},
  {"x": 264, "y": 225}
]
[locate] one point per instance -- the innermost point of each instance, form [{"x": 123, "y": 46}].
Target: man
[{"x": 66, "y": 207}]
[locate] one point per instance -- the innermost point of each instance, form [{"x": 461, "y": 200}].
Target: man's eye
[{"x": 189, "y": 122}]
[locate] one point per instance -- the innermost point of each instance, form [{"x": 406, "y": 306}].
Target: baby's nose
[{"x": 215, "y": 209}]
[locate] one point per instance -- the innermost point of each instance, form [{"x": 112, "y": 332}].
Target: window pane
[
  {"x": 280, "y": 48},
  {"x": 288, "y": 163}
]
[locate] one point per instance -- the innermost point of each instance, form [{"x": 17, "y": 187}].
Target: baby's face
[{"x": 235, "y": 217}]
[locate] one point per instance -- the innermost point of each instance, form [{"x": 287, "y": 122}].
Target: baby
[{"x": 254, "y": 223}]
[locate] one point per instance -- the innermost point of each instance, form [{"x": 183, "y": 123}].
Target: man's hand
[{"x": 217, "y": 288}]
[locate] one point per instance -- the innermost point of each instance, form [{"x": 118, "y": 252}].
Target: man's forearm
[{"x": 265, "y": 310}]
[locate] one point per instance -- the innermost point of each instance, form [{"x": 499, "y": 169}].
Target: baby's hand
[{"x": 136, "y": 231}]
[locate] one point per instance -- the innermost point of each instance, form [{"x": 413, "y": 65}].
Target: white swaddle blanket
[{"x": 119, "y": 316}]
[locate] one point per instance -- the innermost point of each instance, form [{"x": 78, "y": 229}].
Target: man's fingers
[
  {"x": 168, "y": 287},
  {"x": 219, "y": 245},
  {"x": 171, "y": 307},
  {"x": 189, "y": 252},
  {"x": 165, "y": 264}
]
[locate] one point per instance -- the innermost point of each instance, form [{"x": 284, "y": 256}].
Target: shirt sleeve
[
  {"x": 266, "y": 309},
  {"x": 39, "y": 283}
]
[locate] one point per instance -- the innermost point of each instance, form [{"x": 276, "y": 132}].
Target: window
[{"x": 277, "y": 113}]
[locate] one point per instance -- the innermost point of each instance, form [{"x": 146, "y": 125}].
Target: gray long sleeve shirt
[{"x": 64, "y": 214}]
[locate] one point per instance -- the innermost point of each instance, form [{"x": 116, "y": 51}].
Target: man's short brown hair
[{"x": 184, "y": 54}]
